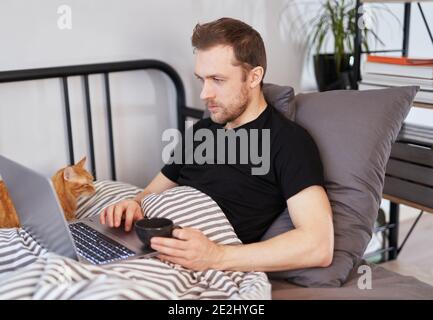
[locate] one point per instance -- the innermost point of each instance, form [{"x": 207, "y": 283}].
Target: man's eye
[{"x": 217, "y": 80}]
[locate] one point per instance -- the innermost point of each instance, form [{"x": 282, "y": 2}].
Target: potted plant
[{"x": 336, "y": 21}]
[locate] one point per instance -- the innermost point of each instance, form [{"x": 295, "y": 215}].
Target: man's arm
[
  {"x": 159, "y": 184},
  {"x": 309, "y": 245}
]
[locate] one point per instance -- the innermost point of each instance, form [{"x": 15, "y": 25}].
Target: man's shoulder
[{"x": 284, "y": 125}]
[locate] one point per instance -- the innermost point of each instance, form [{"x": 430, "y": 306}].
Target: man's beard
[{"x": 232, "y": 111}]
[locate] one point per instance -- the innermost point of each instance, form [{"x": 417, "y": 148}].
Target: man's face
[{"x": 225, "y": 91}]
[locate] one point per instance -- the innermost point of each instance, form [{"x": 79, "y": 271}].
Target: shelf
[
  {"x": 393, "y": 1},
  {"x": 407, "y": 203},
  {"x": 422, "y": 105}
]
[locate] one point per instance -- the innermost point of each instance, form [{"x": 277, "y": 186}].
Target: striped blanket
[{"x": 28, "y": 271}]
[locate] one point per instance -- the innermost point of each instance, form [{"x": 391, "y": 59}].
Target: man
[{"x": 231, "y": 63}]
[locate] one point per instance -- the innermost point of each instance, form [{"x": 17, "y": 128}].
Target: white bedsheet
[{"x": 28, "y": 271}]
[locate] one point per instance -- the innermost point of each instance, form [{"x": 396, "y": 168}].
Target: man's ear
[{"x": 256, "y": 76}]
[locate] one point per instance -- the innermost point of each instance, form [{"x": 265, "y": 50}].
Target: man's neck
[{"x": 252, "y": 112}]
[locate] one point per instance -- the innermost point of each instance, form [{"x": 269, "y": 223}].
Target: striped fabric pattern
[{"x": 27, "y": 271}]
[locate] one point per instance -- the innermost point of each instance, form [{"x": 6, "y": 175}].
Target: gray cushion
[
  {"x": 384, "y": 284},
  {"x": 354, "y": 131},
  {"x": 281, "y": 97}
]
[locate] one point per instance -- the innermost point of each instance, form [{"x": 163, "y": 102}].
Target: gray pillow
[
  {"x": 354, "y": 131},
  {"x": 281, "y": 97}
]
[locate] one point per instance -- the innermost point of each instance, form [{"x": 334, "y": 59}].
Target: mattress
[{"x": 385, "y": 285}]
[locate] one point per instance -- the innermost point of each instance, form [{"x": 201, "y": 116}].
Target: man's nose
[{"x": 207, "y": 92}]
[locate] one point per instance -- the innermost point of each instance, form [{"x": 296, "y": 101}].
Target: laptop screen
[{"x": 38, "y": 207}]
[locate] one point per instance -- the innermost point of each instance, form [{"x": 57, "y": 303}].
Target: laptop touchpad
[{"x": 128, "y": 239}]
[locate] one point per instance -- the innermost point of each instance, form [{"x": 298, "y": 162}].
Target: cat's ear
[
  {"x": 68, "y": 173},
  {"x": 81, "y": 163}
]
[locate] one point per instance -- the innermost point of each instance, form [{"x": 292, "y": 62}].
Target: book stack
[{"x": 384, "y": 71}]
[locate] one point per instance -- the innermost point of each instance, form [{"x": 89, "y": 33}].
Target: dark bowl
[{"x": 153, "y": 227}]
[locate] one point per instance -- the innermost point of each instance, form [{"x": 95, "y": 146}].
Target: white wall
[{"x": 32, "y": 125}]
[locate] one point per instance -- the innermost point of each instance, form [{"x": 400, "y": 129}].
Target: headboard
[{"x": 105, "y": 69}]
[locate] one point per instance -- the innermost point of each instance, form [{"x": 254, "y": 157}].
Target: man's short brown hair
[{"x": 247, "y": 44}]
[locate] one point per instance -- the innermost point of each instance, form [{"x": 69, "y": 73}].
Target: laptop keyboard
[{"x": 95, "y": 246}]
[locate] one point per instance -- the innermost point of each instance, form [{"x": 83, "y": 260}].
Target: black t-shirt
[{"x": 252, "y": 202}]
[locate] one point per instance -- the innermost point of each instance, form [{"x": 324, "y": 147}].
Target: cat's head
[{"x": 78, "y": 179}]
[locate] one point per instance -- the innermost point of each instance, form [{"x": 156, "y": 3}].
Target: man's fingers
[
  {"x": 102, "y": 216},
  {"x": 168, "y": 251},
  {"x": 170, "y": 243},
  {"x": 134, "y": 213},
  {"x": 183, "y": 234},
  {"x": 129, "y": 219},
  {"x": 118, "y": 213},
  {"x": 139, "y": 213},
  {"x": 109, "y": 215}
]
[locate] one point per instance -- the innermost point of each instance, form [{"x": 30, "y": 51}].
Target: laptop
[{"x": 41, "y": 215}]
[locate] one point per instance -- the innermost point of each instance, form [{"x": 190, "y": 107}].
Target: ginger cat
[
  {"x": 70, "y": 184},
  {"x": 8, "y": 216}
]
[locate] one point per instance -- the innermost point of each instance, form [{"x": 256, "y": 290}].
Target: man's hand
[
  {"x": 127, "y": 209},
  {"x": 192, "y": 249}
]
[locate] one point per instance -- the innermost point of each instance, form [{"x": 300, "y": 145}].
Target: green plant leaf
[{"x": 336, "y": 21}]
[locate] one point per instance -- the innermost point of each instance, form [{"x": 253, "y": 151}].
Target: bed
[{"x": 28, "y": 271}]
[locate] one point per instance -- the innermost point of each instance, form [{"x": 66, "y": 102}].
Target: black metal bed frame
[{"x": 63, "y": 73}]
